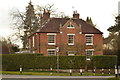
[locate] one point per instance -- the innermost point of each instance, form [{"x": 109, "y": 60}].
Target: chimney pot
[{"x": 75, "y": 15}]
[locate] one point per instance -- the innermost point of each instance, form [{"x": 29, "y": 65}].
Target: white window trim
[
  {"x": 51, "y": 50},
  {"x": 54, "y": 38},
  {"x": 70, "y": 43},
  {"x": 73, "y": 39},
  {"x": 51, "y": 43},
  {"x": 71, "y": 54},
  {"x": 70, "y": 27},
  {"x": 92, "y": 39},
  {"x": 70, "y": 34},
  {"x": 86, "y": 53},
  {"x": 33, "y": 40},
  {"x": 61, "y": 32},
  {"x": 80, "y": 32},
  {"x": 89, "y": 34},
  {"x": 89, "y": 49},
  {"x": 51, "y": 34},
  {"x": 89, "y": 44}
]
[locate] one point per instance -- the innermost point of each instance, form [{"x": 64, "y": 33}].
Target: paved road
[
  {"x": 53, "y": 79},
  {"x": 31, "y": 77}
]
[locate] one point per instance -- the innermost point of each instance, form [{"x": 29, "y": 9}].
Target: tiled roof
[{"x": 53, "y": 25}]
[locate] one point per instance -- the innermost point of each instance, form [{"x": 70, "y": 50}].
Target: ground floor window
[
  {"x": 71, "y": 53},
  {"x": 51, "y": 52},
  {"x": 89, "y": 53}
]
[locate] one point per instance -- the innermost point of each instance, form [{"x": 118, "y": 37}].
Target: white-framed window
[
  {"x": 70, "y": 39},
  {"x": 51, "y": 52},
  {"x": 71, "y": 53},
  {"x": 89, "y": 39},
  {"x": 89, "y": 53},
  {"x": 70, "y": 25},
  {"x": 51, "y": 38},
  {"x": 33, "y": 40}
]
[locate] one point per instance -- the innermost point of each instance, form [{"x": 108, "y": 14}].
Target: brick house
[{"x": 73, "y": 36}]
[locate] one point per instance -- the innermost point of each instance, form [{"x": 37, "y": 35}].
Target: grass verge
[
  {"x": 114, "y": 78},
  {"x": 52, "y": 73}
]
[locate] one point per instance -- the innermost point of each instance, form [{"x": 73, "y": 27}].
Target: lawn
[
  {"x": 114, "y": 78},
  {"x": 52, "y": 73}
]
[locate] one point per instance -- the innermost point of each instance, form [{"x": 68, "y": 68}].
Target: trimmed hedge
[
  {"x": 35, "y": 61},
  {"x": 13, "y": 61},
  {"x": 104, "y": 61}
]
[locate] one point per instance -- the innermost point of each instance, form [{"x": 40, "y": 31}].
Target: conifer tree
[
  {"x": 31, "y": 23},
  {"x": 89, "y": 20},
  {"x": 115, "y": 30}
]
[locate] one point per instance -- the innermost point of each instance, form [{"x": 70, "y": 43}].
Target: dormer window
[{"x": 70, "y": 26}]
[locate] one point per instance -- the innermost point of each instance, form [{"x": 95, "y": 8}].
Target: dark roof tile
[{"x": 53, "y": 25}]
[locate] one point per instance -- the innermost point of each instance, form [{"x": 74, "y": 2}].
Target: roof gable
[
  {"x": 54, "y": 25},
  {"x": 70, "y": 22}
]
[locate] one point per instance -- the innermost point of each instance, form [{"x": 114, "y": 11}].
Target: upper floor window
[
  {"x": 70, "y": 26},
  {"x": 89, "y": 39},
  {"x": 51, "y": 39},
  {"x": 70, "y": 39}
]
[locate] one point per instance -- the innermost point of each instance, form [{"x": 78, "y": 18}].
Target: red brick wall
[
  {"x": 62, "y": 38},
  {"x": 98, "y": 42}
]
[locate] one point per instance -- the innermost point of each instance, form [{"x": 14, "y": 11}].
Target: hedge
[
  {"x": 104, "y": 61},
  {"x": 35, "y": 61},
  {"x": 13, "y": 61}
]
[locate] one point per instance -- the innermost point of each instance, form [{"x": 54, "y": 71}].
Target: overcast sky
[{"x": 102, "y": 12}]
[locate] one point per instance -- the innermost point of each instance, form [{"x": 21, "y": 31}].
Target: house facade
[{"x": 66, "y": 36}]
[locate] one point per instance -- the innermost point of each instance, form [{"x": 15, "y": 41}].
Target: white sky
[{"x": 102, "y": 12}]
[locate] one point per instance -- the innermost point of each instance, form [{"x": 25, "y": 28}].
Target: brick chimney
[
  {"x": 46, "y": 15},
  {"x": 75, "y": 15}
]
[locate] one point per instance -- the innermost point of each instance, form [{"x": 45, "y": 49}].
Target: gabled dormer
[{"x": 70, "y": 27}]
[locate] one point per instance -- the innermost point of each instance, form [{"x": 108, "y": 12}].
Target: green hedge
[
  {"x": 35, "y": 61},
  {"x": 13, "y": 61},
  {"x": 104, "y": 61}
]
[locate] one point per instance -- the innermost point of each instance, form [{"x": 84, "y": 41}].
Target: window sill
[
  {"x": 51, "y": 43},
  {"x": 88, "y": 59},
  {"x": 70, "y": 43},
  {"x": 71, "y": 54},
  {"x": 89, "y": 44},
  {"x": 71, "y": 27}
]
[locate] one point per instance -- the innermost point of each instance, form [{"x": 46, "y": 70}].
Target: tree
[
  {"x": 31, "y": 21},
  {"x": 115, "y": 30},
  {"x": 31, "y": 24},
  {"x": 7, "y": 46},
  {"x": 26, "y": 23},
  {"x": 89, "y": 20}
]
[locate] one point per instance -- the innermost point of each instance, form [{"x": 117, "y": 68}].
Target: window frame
[
  {"x": 70, "y": 25},
  {"x": 72, "y": 38},
  {"x": 90, "y": 40},
  {"x": 51, "y": 50},
  {"x": 54, "y": 41},
  {"x": 71, "y": 53},
  {"x": 88, "y": 56}
]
